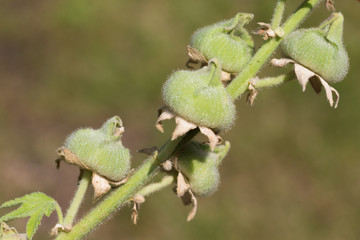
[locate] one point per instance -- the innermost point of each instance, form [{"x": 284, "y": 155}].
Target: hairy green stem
[
  {"x": 78, "y": 197},
  {"x": 274, "y": 81},
  {"x": 240, "y": 84},
  {"x": 118, "y": 197},
  {"x": 154, "y": 187},
  {"x": 59, "y": 213},
  {"x": 278, "y": 14}
]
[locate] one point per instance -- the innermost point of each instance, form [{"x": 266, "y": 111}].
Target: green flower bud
[
  {"x": 320, "y": 49},
  {"x": 101, "y": 150},
  {"x": 200, "y": 97},
  {"x": 228, "y": 41},
  {"x": 200, "y": 165}
]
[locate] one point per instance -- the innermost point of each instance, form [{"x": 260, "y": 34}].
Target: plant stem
[
  {"x": 240, "y": 84},
  {"x": 278, "y": 14},
  {"x": 274, "y": 81},
  {"x": 118, "y": 197},
  {"x": 59, "y": 213},
  {"x": 154, "y": 187},
  {"x": 77, "y": 200}
]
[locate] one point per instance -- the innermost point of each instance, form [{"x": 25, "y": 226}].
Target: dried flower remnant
[
  {"x": 267, "y": 32},
  {"x": 252, "y": 92},
  {"x": 183, "y": 126},
  {"x": 305, "y": 75},
  {"x": 137, "y": 201},
  {"x": 59, "y": 228}
]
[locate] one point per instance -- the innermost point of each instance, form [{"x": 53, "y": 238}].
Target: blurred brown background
[{"x": 294, "y": 167}]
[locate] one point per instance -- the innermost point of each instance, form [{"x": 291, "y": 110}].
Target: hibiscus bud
[
  {"x": 228, "y": 41},
  {"x": 200, "y": 165},
  {"x": 200, "y": 97},
  {"x": 320, "y": 49},
  {"x": 101, "y": 150}
]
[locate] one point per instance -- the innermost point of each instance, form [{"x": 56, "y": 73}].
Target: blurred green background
[{"x": 294, "y": 168}]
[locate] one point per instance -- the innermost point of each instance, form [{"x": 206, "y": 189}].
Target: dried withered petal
[
  {"x": 183, "y": 126},
  {"x": 101, "y": 186},
  {"x": 304, "y": 75}
]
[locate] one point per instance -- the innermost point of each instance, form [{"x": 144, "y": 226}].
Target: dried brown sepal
[
  {"x": 265, "y": 30},
  {"x": 193, "y": 211},
  {"x": 252, "y": 94},
  {"x": 101, "y": 186},
  {"x": 182, "y": 186},
  {"x": 183, "y": 126},
  {"x": 59, "y": 228},
  {"x": 184, "y": 192},
  {"x": 304, "y": 75},
  {"x": 69, "y": 157},
  {"x": 195, "y": 55},
  {"x": 137, "y": 200},
  {"x": 164, "y": 114},
  {"x": 330, "y": 5},
  {"x": 213, "y": 138}
]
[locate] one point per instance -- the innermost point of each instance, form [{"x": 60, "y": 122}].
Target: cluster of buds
[{"x": 199, "y": 99}]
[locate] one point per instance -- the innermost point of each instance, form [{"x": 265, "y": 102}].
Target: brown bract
[
  {"x": 101, "y": 186},
  {"x": 183, "y": 126},
  {"x": 59, "y": 228},
  {"x": 252, "y": 93},
  {"x": 267, "y": 32},
  {"x": 305, "y": 75},
  {"x": 137, "y": 199},
  {"x": 184, "y": 192}
]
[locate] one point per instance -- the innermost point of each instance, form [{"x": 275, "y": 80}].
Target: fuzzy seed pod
[
  {"x": 101, "y": 150},
  {"x": 320, "y": 49},
  {"x": 200, "y": 97},
  {"x": 228, "y": 41},
  {"x": 200, "y": 165}
]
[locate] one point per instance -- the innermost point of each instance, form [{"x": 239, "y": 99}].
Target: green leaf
[{"x": 33, "y": 205}]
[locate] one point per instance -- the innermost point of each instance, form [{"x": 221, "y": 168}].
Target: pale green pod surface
[
  {"x": 200, "y": 165},
  {"x": 101, "y": 150},
  {"x": 228, "y": 41},
  {"x": 320, "y": 49},
  {"x": 200, "y": 97},
  {"x": 83, "y": 142},
  {"x": 111, "y": 160}
]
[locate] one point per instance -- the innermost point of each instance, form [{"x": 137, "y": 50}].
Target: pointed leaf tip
[{"x": 34, "y": 205}]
